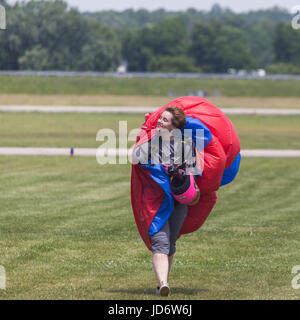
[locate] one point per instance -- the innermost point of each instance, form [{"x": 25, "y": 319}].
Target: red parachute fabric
[{"x": 146, "y": 194}]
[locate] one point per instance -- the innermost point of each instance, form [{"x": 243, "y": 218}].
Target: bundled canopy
[{"x": 151, "y": 197}]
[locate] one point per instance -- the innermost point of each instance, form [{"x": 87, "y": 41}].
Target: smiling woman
[
  {"x": 156, "y": 150},
  {"x": 165, "y": 121},
  {"x": 172, "y": 118},
  {"x": 160, "y": 215}
]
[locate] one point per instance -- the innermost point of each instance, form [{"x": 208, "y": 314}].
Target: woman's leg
[
  {"x": 160, "y": 252},
  {"x": 175, "y": 223},
  {"x": 161, "y": 267},
  {"x": 164, "y": 243}
]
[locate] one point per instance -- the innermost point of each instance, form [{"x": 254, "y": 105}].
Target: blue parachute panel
[{"x": 230, "y": 173}]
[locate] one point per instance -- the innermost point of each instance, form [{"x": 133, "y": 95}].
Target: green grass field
[
  {"x": 68, "y": 232},
  {"x": 67, "y": 229},
  {"x": 146, "y": 86},
  {"x": 79, "y": 130}
]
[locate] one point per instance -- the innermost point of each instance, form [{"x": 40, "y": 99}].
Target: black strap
[
  {"x": 172, "y": 151},
  {"x": 160, "y": 149},
  {"x": 182, "y": 150},
  {"x": 149, "y": 152}
]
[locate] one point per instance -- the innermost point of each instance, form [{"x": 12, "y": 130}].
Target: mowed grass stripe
[
  {"x": 139, "y": 100},
  {"x": 146, "y": 86},
  {"x": 80, "y": 130},
  {"x": 67, "y": 232}
]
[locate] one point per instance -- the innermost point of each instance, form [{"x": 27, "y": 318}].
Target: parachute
[{"x": 151, "y": 198}]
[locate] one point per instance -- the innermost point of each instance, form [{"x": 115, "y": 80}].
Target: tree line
[{"x": 49, "y": 35}]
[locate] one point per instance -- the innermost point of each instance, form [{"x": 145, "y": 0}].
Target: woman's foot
[{"x": 163, "y": 290}]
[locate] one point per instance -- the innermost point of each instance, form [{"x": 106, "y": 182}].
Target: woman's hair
[{"x": 178, "y": 120}]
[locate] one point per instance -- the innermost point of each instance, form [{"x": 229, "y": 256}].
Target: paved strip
[
  {"x": 92, "y": 152},
  {"x": 141, "y": 109},
  {"x": 81, "y": 152},
  {"x": 261, "y": 112},
  {"x": 77, "y": 109},
  {"x": 257, "y": 153}
]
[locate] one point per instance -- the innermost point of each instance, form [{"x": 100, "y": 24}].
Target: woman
[
  {"x": 213, "y": 162},
  {"x": 164, "y": 146}
]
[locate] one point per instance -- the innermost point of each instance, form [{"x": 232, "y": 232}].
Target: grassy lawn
[
  {"x": 146, "y": 86},
  {"x": 67, "y": 232},
  {"x": 79, "y": 130}
]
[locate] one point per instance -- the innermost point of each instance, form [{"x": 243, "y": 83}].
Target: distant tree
[
  {"x": 167, "y": 38},
  {"x": 101, "y": 51},
  {"x": 129, "y": 18},
  {"x": 134, "y": 52},
  {"x": 275, "y": 15},
  {"x": 257, "y": 26},
  {"x": 142, "y": 17},
  {"x": 216, "y": 48},
  {"x": 47, "y": 35},
  {"x": 283, "y": 68},
  {"x": 287, "y": 44},
  {"x": 216, "y": 11},
  {"x": 14, "y": 41},
  {"x": 260, "y": 39},
  {"x": 36, "y": 58}
]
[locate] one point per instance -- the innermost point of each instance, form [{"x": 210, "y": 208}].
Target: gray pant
[{"x": 164, "y": 241}]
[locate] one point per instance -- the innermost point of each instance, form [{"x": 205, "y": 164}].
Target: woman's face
[{"x": 165, "y": 122}]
